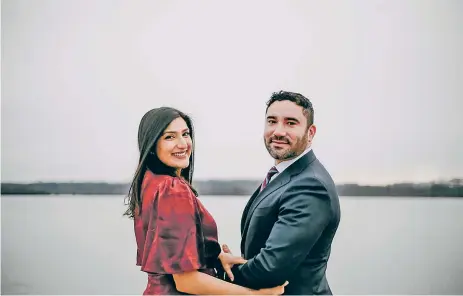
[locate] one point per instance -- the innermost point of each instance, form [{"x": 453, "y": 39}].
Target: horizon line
[{"x": 437, "y": 180}]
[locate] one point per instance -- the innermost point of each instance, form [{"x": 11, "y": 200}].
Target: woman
[{"x": 177, "y": 243}]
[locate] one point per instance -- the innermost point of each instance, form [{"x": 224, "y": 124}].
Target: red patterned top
[{"x": 174, "y": 233}]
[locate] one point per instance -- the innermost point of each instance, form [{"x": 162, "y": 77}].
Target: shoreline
[{"x": 453, "y": 188}]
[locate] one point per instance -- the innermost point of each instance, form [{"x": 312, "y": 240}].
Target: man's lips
[{"x": 279, "y": 142}]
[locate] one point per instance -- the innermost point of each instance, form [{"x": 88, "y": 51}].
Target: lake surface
[{"x": 82, "y": 245}]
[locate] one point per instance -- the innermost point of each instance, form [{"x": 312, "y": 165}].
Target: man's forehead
[{"x": 285, "y": 109}]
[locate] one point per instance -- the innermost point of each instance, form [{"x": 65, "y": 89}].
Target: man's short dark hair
[{"x": 298, "y": 99}]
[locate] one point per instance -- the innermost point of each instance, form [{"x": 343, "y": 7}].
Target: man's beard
[{"x": 292, "y": 151}]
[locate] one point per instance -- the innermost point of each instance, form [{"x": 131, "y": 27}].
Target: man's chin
[
  {"x": 279, "y": 155},
  {"x": 282, "y": 156}
]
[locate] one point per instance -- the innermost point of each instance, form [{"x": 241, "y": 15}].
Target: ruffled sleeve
[{"x": 174, "y": 241}]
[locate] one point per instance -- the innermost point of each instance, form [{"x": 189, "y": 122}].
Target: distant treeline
[{"x": 453, "y": 188}]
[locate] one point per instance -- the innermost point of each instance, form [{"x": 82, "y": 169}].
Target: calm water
[{"x": 82, "y": 245}]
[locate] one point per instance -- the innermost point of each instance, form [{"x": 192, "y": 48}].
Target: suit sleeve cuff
[{"x": 240, "y": 279}]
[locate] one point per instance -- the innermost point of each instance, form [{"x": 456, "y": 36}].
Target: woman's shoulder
[{"x": 166, "y": 184}]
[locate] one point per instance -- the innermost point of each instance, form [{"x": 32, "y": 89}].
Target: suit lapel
[
  {"x": 278, "y": 182},
  {"x": 248, "y": 205},
  {"x": 255, "y": 200}
]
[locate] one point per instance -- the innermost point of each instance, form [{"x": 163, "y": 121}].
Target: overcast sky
[{"x": 385, "y": 78}]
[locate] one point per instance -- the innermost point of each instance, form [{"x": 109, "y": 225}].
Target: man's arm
[{"x": 303, "y": 215}]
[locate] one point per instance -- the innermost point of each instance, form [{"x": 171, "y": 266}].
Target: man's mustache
[{"x": 280, "y": 139}]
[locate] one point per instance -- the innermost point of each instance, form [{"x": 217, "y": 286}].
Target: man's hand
[{"x": 228, "y": 260}]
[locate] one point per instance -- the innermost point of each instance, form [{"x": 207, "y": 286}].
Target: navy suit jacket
[{"x": 287, "y": 230}]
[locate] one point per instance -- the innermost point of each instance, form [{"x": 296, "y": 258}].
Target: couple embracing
[{"x": 287, "y": 226}]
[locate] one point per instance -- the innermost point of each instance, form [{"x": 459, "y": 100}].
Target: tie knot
[{"x": 272, "y": 172}]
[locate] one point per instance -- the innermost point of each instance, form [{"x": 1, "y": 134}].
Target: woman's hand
[{"x": 228, "y": 260}]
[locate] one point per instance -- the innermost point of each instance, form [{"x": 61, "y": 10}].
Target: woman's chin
[{"x": 182, "y": 165}]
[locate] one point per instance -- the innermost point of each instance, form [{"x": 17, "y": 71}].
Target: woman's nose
[{"x": 182, "y": 143}]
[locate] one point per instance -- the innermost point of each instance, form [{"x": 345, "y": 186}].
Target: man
[{"x": 290, "y": 221}]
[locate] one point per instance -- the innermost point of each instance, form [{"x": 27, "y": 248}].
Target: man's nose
[{"x": 279, "y": 131}]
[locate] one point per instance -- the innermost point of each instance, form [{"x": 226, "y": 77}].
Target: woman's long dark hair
[{"x": 151, "y": 127}]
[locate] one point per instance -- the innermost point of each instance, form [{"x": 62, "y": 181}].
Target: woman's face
[{"x": 174, "y": 145}]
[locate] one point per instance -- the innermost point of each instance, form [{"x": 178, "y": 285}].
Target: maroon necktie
[{"x": 270, "y": 174}]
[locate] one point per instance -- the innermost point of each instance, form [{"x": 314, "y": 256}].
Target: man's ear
[{"x": 311, "y": 131}]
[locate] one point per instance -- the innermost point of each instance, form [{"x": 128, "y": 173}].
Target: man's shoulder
[
  {"x": 315, "y": 173},
  {"x": 316, "y": 181}
]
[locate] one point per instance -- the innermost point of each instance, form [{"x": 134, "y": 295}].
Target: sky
[{"x": 384, "y": 78}]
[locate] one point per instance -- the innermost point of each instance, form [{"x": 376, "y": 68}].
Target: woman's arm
[{"x": 199, "y": 283}]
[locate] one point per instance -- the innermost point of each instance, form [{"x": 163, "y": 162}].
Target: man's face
[{"x": 286, "y": 133}]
